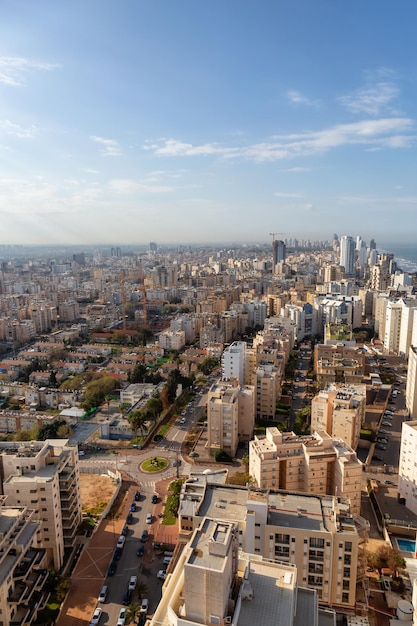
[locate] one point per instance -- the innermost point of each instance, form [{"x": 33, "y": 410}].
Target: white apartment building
[
  {"x": 138, "y": 392},
  {"x": 266, "y": 380},
  {"x": 316, "y": 463},
  {"x": 230, "y": 415},
  {"x": 186, "y": 323},
  {"x": 315, "y": 534},
  {"x": 23, "y": 566},
  {"x": 214, "y": 583},
  {"x": 411, "y": 385},
  {"x": 234, "y": 362},
  {"x": 340, "y": 411},
  {"x": 172, "y": 339},
  {"x": 407, "y": 472},
  {"x": 44, "y": 476}
]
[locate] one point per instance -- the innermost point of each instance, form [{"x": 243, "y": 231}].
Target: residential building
[
  {"x": 347, "y": 255},
  {"x": 338, "y": 363},
  {"x": 316, "y": 534},
  {"x": 234, "y": 361},
  {"x": 267, "y": 382},
  {"x": 411, "y": 384},
  {"x": 340, "y": 411},
  {"x": 407, "y": 471},
  {"x": 23, "y": 566},
  {"x": 172, "y": 339},
  {"x": 230, "y": 415},
  {"x": 214, "y": 583},
  {"x": 316, "y": 463},
  {"x": 44, "y": 476}
]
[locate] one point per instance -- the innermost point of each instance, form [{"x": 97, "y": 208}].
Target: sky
[{"x": 185, "y": 121}]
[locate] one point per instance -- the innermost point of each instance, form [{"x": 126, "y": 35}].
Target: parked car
[
  {"x": 117, "y": 553},
  {"x": 182, "y": 420},
  {"x": 140, "y": 551},
  {"x": 144, "y": 605},
  {"x": 154, "y": 498},
  {"x": 149, "y": 518},
  {"x": 390, "y": 482},
  {"x": 385, "y": 423},
  {"x": 133, "y": 507},
  {"x": 144, "y": 537},
  {"x": 384, "y": 432},
  {"x": 132, "y": 582},
  {"x": 121, "y": 620},
  {"x": 161, "y": 574},
  {"x": 125, "y": 530},
  {"x": 112, "y": 568},
  {"x": 129, "y": 518},
  {"x": 96, "y": 616},
  {"x": 137, "y": 496},
  {"x": 127, "y": 596},
  {"x": 380, "y": 446},
  {"x": 382, "y": 440},
  {"x": 103, "y": 593}
]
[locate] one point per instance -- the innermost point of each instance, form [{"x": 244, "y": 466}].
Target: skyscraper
[
  {"x": 278, "y": 252},
  {"x": 347, "y": 254}
]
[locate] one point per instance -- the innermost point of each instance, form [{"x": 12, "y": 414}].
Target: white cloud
[
  {"x": 373, "y": 100},
  {"x": 13, "y": 70},
  {"x": 18, "y": 131},
  {"x": 278, "y": 194},
  {"x": 296, "y": 97},
  {"x": 385, "y": 132},
  {"x": 296, "y": 169},
  {"x": 127, "y": 187},
  {"x": 110, "y": 147}
]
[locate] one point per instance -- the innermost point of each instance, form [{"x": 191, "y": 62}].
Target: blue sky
[{"x": 188, "y": 121}]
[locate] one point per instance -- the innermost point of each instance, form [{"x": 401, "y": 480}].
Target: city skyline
[{"x": 187, "y": 123}]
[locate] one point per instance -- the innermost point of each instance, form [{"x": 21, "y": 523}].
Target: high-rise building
[
  {"x": 407, "y": 471},
  {"x": 234, "y": 361},
  {"x": 278, "y": 252},
  {"x": 318, "y": 535},
  {"x": 347, "y": 254},
  {"x": 44, "y": 476}
]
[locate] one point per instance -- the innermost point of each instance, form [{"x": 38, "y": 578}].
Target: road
[{"x": 300, "y": 386}]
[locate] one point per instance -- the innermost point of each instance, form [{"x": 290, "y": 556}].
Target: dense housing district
[{"x": 298, "y": 360}]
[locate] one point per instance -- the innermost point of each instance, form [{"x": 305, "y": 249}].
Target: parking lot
[{"x": 91, "y": 572}]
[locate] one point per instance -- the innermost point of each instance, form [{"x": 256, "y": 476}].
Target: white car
[
  {"x": 182, "y": 420},
  {"x": 144, "y": 604},
  {"x": 96, "y": 616},
  {"x": 149, "y": 518},
  {"x": 132, "y": 582},
  {"x": 121, "y": 620},
  {"x": 161, "y": 574}
]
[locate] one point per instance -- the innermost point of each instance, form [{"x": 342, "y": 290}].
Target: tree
[
  {"x": 133, "y": 611},
  {"x": 141, "y": 588},
  {"x": 138, "y": 373},
  {"x": 154, "y": 407},
  {"x": 137, "y": 421}
]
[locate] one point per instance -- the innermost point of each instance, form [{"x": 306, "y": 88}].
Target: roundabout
[{"x": 154, "y": 464}]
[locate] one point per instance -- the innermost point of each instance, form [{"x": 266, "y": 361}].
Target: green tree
[
  {"x": 141, "y": 588},
  {"x": 138, "y": 373},
  {"x": 137, "y": 421},
  {"x": 133, "y": 611}
]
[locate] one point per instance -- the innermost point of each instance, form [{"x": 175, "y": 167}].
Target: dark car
[
  {"x": 154, "y": 498},
  {"x": 144, "y": 537},
  {"x": 112, "y": 568},
  {"x": 137, "y": 496},
  {"x": 127, "y": 596},
  {"x": 125, "y": 530},
  {"x": 133, "y": 507},
  {"x": 117, "y": 554},
  {"x": 140, "y": 551},
  {"x": 129, "y": 518}
]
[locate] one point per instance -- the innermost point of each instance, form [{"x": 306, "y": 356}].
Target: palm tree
[
  {"x": 133, "y": 611},
  {"x": 137, "y": 421}
]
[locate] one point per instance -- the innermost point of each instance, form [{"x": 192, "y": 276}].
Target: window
[
  {"x": 348, "y": 546},
  {"x": 348, "y": 560},
  {"x": 345, "y": 597},
  {"x": 315, "y": 542},
  {"x": 281, "y": 538}
]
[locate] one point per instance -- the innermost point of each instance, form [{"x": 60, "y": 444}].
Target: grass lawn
[{"x": 155, "y": 464}]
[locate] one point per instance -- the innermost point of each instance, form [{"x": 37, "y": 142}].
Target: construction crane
[{"x": 273, "y": 236}]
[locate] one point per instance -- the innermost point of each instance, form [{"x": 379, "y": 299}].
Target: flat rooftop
[
  {"x": 225, "y": 503},
  {"x": 274, "y": 588},
  {"x": 301, "y": 511}
]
